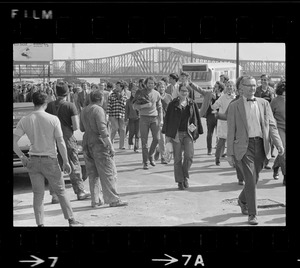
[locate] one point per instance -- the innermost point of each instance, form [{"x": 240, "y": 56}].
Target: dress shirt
[{"x": 253, "y": 118}]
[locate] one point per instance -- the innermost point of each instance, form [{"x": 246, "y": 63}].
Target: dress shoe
[
  {"x": 163, "y": 161},
  {"x": 217, "y": 162},
  {"x": 145, "y": 166},
  {"x": 276, "y": 173},
  {"x": 267, "y": 167},
  {"x": 224, "y": 155},
  {"x": 41, "y": 225},
  {"x": 186, "y": 183},
  {"x": 83, "y": 195},
  {"x": 152, "y": 163},
  {"x": 74, "y": 223},
  {"x": 209, "y": 152},
  {"x": 180, "y": 186},
  {"x": 252, "y": 220},
  {"x": 55, "y": 199},
  {"x": 119, "y": 204},
  {"x": 244, "y": 208},
  {"x": 241, "y": 182}
]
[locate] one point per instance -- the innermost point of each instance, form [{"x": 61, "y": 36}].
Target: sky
[{"x": 247, "y": 51}]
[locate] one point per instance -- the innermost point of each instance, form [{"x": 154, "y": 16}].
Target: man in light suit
[{"x": 250, "y": 126}]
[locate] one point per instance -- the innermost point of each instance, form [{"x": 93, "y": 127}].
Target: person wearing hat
[
  {"x": 68, "y": 116},
  {"x": 99, "y": 153}
]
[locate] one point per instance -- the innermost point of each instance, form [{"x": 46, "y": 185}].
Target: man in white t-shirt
[{"x": 44, "y": 132}]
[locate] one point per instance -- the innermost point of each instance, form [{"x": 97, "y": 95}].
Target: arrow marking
[
  {"x": 37, "y": 261},
  {"x": 170, "y": 261}
]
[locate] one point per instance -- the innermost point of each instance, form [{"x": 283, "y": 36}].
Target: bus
[{"x": 206, "y": 74}]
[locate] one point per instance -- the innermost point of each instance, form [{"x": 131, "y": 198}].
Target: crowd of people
[{"x": 248, "y": 120}]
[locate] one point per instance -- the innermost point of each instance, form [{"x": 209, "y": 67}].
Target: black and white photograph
[{"x": 149, "y": 134}]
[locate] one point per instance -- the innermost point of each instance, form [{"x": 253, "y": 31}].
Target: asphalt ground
[{"x": 154, "y": 199}]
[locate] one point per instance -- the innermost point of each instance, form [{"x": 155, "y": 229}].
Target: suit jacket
[
  {"x": 207, "y": 94},
  {"x": 237, "y": 135},
  {"x": 82, "y": 96}
]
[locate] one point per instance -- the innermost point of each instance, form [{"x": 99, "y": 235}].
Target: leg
[
  {"x": 144, "y": 130},
  {"x": 114, "y": 127},
  {"x": 177, "y": 154},
  {"x": 94, "y": 180},
  {"x": 155, "y": 136},
  {"x": 220, "y": 146},
  {"x": 136, "y": 134},
  {"x": 107, "y": 171},
  {"x": 38, "y": 188},
  {"x": 122, "y": 128},
  {"x": 188, "y": 154},
  {"x": 131, "y": 131},
  {"x": 52, "y": 171},
  {"x": 211, "y": 123}
]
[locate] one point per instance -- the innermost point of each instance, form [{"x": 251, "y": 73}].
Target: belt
[
  {"x": 40, "y": 156},
  {"x": 255, "y": 138}
]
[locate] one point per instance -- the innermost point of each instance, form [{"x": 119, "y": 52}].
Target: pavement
[{"x": 154, "y": 199}]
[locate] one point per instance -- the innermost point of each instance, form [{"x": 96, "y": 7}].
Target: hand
[
  {"x": 66, "y": 168},
  {"x": 230, "y": 160},
  {"x": 280, "y": 150},
  {"x": 161, "y": 123},
  {"x": 25, "y": 161},
  {"x": 112, "y": 151}
]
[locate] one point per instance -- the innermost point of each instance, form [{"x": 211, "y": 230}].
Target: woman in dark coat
[{"x": 182, "y": 127}]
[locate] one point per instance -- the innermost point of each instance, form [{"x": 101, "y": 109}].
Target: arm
[
  {"x": 82, "y": 129},
  {"x": 217, "y": 104},
  {"x": 75, "y": 122},
  {"x": 273, "y": 130},
  {"x": 18, "y": 151},
  {"x": 199, "y": 89},
  {"x": 63, "y": 152},
  {"x": 160, "y": 111}
]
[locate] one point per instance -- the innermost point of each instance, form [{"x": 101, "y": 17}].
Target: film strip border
[
  {"x": 169, "y": 22},
  {"x": 154, "y": 23},
  {"x": 148, "y": 247}
]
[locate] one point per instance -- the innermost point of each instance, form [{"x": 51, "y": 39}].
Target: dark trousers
[
  {"x": 252, "y": 163},
  {"x": 134, "y": 130},
  {"x": 239, "y": 169},
  {"x": 211, "y": 123}
]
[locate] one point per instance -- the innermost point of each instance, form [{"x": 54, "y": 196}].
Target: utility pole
[{"x": 237, "y": 60}]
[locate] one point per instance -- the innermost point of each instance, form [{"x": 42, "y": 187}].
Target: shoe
[
  {"x": 267, "y": 167},
  {"x": 224, "y": 155},
  {"x": 40, "y": 225},
  {"x": 163, "y": 161},
  {"x": 252, "y": 220},
  {"x": 136, "y": 151},
  {"x": 209, "y": 152},
  {"x": 152, "y": 163},
  {"x": 97, "y": 204},
  {"x": 74, "y": 223},
  {"x": 156, "y": 155},
  {"x": 217, "y": 162},
  {"x": 130, "y": 147},
  {"x": 145, "y": 166},
  {"x": 122, "y": 148},
  {"x": 180, "y": 186},
  {"x": 284, "y": 181},
  {"x": 83, "y": 195},
  {"x": 119, "y": 204},
  {"x": 186, "y": 183},
  {"x": 55, "y": 199},
  {"x": 241, "y": 182},
  {"x": 275, "y": 173},
  {"x": 244, "y": 208}
]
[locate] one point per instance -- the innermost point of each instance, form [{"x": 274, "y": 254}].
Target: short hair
[
  {"x": 280, "y": 88},
  {"x": 121, "y": 83},
  {"x": 248, "y": 77},
  {"x": 62, "y": 89},
  {"x": 226, "y": 78},
  {"x": 165, "y": 79},
  {"x": 109, "y": 85},
  {"x": 95, "y": 85},
  {"x": 265, "y": 76},
  {"x": 185, "y": 74},
  {"x": 39, "y": 98},
  {"x": 174, "y": 76},
  {"x": 238, "y": 82},
  {"x": 150, "y": 78},
  {"x": 161, "y": 82},
  {"x": 96, "y": 95}
]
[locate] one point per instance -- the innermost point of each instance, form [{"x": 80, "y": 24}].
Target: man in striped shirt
[{"x": 116, "y": 112}]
